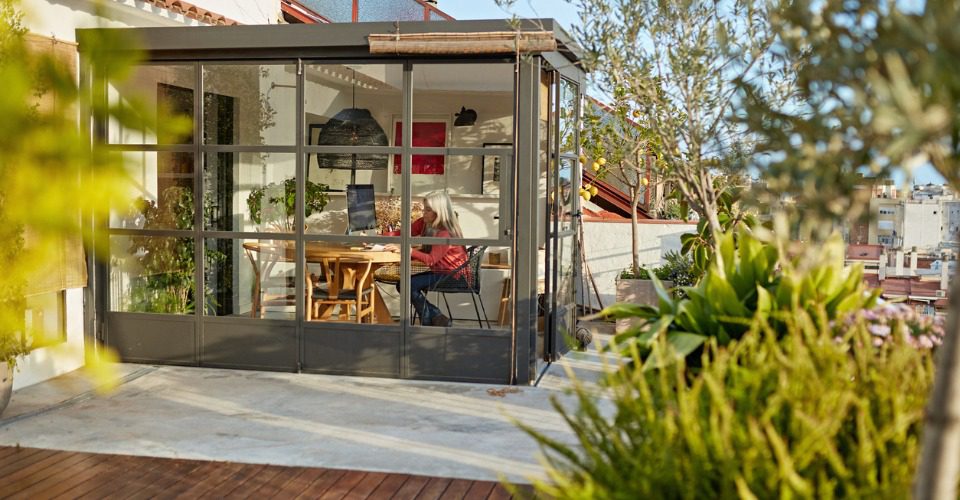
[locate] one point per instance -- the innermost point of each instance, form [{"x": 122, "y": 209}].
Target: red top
[{"x": 441, "y": 258}]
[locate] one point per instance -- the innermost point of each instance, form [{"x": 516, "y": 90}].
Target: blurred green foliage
[
  {"x": 52, "y": 179},
  {"x": 768, "y": 416}
]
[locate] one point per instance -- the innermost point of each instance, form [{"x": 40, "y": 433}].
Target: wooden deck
[{"x": 34, "y": 473}]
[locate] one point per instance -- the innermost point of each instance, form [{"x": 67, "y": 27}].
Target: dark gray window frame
[{"x": 254, "y": 46}]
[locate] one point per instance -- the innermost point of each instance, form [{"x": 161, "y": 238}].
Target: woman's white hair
[{"x": 439, "y": 202}]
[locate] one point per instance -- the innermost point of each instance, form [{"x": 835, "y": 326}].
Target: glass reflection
[
  {"x": 161, "y": 187},
  {"x": 249, "y": 104},
  {"x": 152, "y": 274}
]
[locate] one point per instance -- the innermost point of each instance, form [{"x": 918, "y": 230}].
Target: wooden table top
[{"x": 317, "y": 251}]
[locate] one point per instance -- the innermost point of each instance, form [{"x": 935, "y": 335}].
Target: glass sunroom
[{"x": 271, "y": 222}]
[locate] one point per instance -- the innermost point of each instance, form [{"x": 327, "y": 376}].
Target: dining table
[{"x": 265, "y": 255}]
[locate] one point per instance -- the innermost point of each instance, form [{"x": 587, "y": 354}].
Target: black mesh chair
[{"x": 465, "y": 279}]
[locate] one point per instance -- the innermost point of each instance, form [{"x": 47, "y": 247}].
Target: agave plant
[{"x": 755, "y": 283}]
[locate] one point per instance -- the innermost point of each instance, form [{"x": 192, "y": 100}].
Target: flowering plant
[
  {"x": 890, "y": 321},
  {"x": 389, "y": 213}
]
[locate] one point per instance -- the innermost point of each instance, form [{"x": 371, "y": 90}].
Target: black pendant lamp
[{"x": 352, "y": 127}]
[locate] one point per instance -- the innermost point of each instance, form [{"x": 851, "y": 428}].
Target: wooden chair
[
  {"x": 349, "y": 286},
  {"x": 270, "y": 291}
]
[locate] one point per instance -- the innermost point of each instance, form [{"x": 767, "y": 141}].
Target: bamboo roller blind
[
  {"x": 64, "y": 264},
  {"x": 496, "y": 42}
]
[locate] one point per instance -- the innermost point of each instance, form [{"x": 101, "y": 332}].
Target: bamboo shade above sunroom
[{"x": 497, "y": 42}]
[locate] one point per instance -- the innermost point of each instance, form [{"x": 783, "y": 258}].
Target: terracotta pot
[
  {"x": 636, "y": 292},
  {"x": 6, "y": 385}
]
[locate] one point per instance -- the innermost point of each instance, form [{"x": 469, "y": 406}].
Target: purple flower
[{"x": 879, "y": 330}]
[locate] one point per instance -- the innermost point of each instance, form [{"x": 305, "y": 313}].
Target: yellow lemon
[
  {"x": 583, "y": 159},
  {"x": 644, "y": 181},
  {"x": 586, "y": 196},
  {"x": 593, "y": 190},
  {"x": 602, "y": 161},
  {"x": 586, "y": 187},
  {"x": 595, "y": 166}
]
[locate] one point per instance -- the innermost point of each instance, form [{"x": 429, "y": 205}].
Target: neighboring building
[
  {"x": 926, "y": 218},
  {"x": 922, "y": 224},
  {"x": 920, "y": 282}
]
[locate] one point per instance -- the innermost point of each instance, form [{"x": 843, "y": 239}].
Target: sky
[
  {"x": 560, "y": 10},
  {"x": 567, "y": 15}
]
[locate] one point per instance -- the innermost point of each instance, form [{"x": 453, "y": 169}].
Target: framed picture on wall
[
  {"x": 426, "y": 134},
  {"x": 492, "y": 163}
]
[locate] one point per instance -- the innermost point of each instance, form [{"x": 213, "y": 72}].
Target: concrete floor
[{"x": 428, "y": 428}]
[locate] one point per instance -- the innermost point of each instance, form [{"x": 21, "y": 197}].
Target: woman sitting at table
[{"x": 438, "y": 221}]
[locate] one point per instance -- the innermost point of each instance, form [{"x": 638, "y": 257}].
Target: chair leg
[
  {"x": 480, "y": 321},
  {"x": 449, "y": 311},
  {"x": 480, "y": 300}
]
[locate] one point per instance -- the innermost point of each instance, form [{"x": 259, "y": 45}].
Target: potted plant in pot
[
  {"x": 275, "y": 204},
  {"x": 13, "y": 345},
  {"x": 638, "y": 288}
]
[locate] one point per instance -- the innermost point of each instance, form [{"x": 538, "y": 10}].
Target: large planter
[
  {"x": 635, "y": 291},
  {"x": 6, "y": 385}
]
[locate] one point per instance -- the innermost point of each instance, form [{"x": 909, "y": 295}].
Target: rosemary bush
[{"x": 806, "y": 415}]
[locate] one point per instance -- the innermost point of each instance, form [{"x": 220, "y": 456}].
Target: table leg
[{"x": 380, "y": 312}]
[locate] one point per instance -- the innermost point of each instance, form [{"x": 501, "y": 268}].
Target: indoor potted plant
[{"x": 280, "y": 205}]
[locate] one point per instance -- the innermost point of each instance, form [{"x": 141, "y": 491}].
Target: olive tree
[
  {"x": 675, "y": 68},
  {"x": 878, "y": 90}
]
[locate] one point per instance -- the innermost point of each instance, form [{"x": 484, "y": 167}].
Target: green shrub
[
  {"x": 678, "y": 269},
  {"x": 769, "y": 416},
  {"x": 753, "y": 282}
]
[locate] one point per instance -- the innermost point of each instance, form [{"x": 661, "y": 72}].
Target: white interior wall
[
  {"x": 607, "y": 248},
  {"x": 48, "y": 362}
]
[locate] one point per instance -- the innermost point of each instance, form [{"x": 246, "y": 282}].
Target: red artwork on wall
[{"x": 425, "y": 135}]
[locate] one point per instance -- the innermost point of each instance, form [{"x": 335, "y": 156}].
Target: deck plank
[
  {"x": 412, "y": 487},
  {"x": 434, "y": 488},
  {"x": 347, "y": 481},
  {"x": 480, "y": 490},
  {"x": 365, "y": 487},
  {"x": 39, "y": 473},
  {"x": 389, "y": 487},
  {"x": 457, "y": 489}
]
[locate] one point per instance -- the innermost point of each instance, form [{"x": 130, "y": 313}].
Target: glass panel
[
  {"x": 253, "y": 278},
  {"x": 161, "y": 187},
  {"x": 566, "y": 310},
  {"x": 152, "y": 274},
  {"x": 568, "y": 171},
  {"x": 164, "y": 91},
  {"x": 469, "y": 296},
  {"x": 249, "y": 104},
  {"x": 434, "y": 16},
  {"x": 390, "y": 10},
  {"x": 338, "y": 11},
  {"x": 568, "y": 117},
  {"x": 475, "y": 101},
  {"x": 253, "y": 192},
  {"x": 351, "y": 105}
]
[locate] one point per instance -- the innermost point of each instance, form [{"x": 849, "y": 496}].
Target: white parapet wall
[{"x": 607, "y": 248}]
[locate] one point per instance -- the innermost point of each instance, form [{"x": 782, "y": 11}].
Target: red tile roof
[{"x": 193, "y": 12}]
